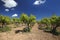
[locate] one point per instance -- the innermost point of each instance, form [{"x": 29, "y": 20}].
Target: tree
[
  {"x": 24, "y": 18},
  {"x": 32, "y": 20},
  {"x": 27, "y": 20},
  {"x": 46, "y": 21},
  {"x": 55, "y": 22},
  {"x": 15, "y": 20},
  {"x": 4, "y": 20}
]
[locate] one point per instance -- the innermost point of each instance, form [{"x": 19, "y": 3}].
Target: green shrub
[
  {"x": 58, "y": 30},
  {"x": 27, "y": 29},
  {"x": 57, "y": 33},
  {"x": 40, "y": 28},
  {"x": 48, "y": 29},
  {"x": 4, "y": 29}
]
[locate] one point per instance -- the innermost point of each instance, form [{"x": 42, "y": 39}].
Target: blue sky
[{"x": 39, "y": 8}]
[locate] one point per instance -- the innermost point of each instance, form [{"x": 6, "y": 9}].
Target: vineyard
[{"x": 28, "y": 28}]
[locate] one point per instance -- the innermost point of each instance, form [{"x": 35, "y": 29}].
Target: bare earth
[{"x": 35, "y": 34}]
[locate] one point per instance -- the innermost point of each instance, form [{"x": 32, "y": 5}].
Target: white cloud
[
  {"x": 38, "y": 2},
  {"x": 14, "y": 15},
  {"x": 9, "y": 3},
  {"x": 7, "y": 10}
]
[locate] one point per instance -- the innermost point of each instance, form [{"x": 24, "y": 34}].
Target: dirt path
[{"x": 35, "y": 34}]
